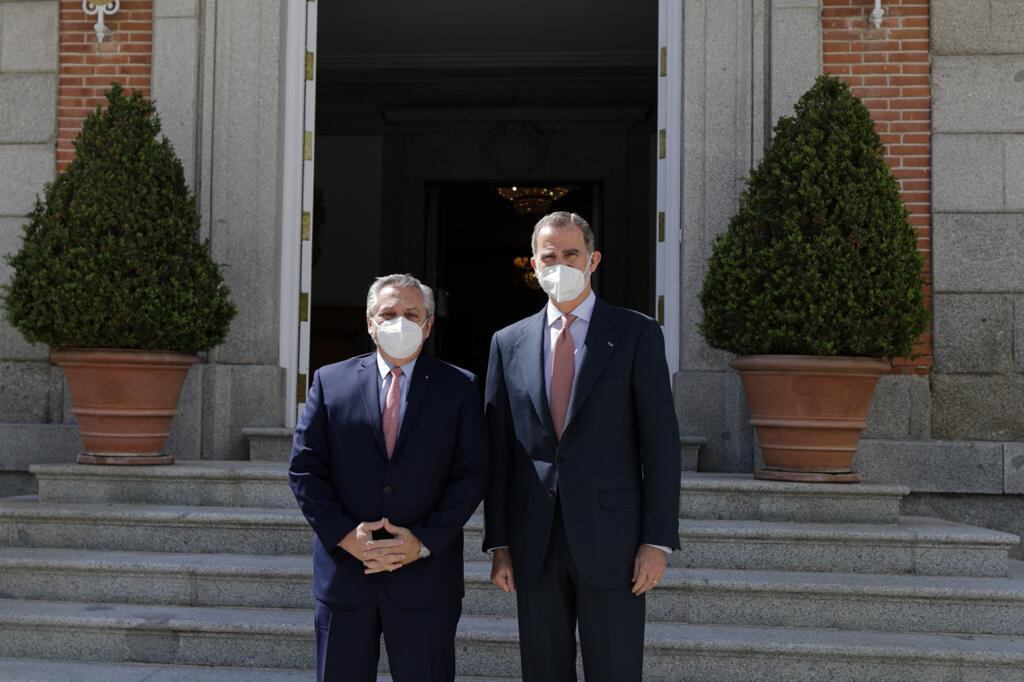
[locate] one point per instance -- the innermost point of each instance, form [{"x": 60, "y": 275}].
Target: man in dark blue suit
[
  {"x": 388, "y": 463},
  {"x": 582, "y": 508}
]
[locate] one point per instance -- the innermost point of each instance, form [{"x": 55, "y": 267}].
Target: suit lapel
[
  {"x": 369, "y": 382},
  {"x": 597, "y": 348},
  {"x": 418, "y": 390},
  {"x": 529, "y": 360}
]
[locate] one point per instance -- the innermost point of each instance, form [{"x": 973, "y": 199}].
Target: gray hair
[
  {"x": 564, "y": 219},
  {"x": 400, "y": 281}
]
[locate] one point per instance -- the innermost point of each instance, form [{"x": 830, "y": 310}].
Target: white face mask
[
  {"x": 563, "y": 283},
  {"x": 399, "y": 337}
]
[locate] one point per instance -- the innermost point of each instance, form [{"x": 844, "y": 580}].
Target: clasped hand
[{"x": 379, "y": 556}]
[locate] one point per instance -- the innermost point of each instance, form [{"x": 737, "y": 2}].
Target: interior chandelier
[{"x": 530, "y": 200}]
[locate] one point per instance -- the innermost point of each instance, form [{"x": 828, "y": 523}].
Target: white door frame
[
  {"x": 297, "y": 187},
  {"x": 297, "y": 202},
  {"x": 668, "y": 221}
]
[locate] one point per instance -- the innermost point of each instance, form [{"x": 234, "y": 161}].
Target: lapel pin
[{"x": 611, "y": 345}]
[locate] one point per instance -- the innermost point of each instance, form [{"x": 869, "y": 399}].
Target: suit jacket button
[
  {"x": 551, "y": 492},
  {"x": 387, "y": 490}
]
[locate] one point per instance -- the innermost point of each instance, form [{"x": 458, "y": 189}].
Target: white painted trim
[
  {"x": 291, "y": 200},
  {"x": 670, "y": 175}
]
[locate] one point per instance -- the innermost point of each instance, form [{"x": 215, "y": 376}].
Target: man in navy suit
[
  {"x": 582, "y": 509},
  {"x": 388, "y": 463}
]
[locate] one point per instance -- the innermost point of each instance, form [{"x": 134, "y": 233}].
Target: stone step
[
  {"x": 913, "y": 546},
  {"x": 25, "y": 522},
  {"x": 177, "y": 635},
  {"x": 487, "y": 647},
  {"x": 199, "y": 483},
  {"x": 741, "y": 497},
  {"x": 65, "y": 671},
  {"x": 894, "y": 603},
  {"x": 818, "y": 600},
  {"x": 73, "y": 671},
  {"x": 269, "y": 444},
  {"x": 157, "y": 577},
  {"x": 265, "y": 484}
]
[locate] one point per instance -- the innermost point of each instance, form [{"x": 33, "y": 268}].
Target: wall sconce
[
  {"x": 877, "y": 14},
  {"x": 100, "y": 11}
]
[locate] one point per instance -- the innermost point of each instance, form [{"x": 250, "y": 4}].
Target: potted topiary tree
[
  {"x": 112, "y": 276},
  {"x": 815, "y": 283}
]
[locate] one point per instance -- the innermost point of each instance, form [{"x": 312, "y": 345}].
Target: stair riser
[
  {"x": 697, "y": 604},
  {"x": 473, "y": 657},
  {"x": 711, "y": 666},
  {"x": 755, "y": 506},
  {"x": 697, "y": 552},
  {"x": 175, "y": 589},
  {"x": 147, "y": 536},
  {"x": 843, "y": 557},
  {"x": 159, "y": 644},
  {"x": 825, "y": 556},
  {"x": 273, "y": 494},
  {"x": 694, "y": 503},
  {"x": 270, "y": 449},
  {"x": 839, "y": 612}
]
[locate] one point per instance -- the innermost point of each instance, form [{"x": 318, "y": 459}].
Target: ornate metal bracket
[
  {"x": 877, "y": 14},
  {"x": 101, "y": 11}
]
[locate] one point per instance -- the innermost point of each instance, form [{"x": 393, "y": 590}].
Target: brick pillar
[
  {"x": 87, "y": 67},
  {"x": 890, "y": 69}
]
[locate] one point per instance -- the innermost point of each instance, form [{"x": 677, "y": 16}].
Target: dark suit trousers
[
  {"x": 420, "y": 642},
  {"x": 611, "y": 622}
]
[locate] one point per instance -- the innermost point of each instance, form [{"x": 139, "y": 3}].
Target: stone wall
[
  {"x": 745, "y": 65},
  {"x": 30, "y": 390},
  {"x": 978, "y": 386},
  {"x": 217, "y": 83},
  {"x": 216, "y": 78}
]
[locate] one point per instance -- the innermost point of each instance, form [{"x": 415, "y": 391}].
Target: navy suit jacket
[
  {"x": 617, "y": 467},
  {"x": 341, "y": 476}
]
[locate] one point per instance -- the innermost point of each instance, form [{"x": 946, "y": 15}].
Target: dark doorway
[
  {"x": 423, "y": 109},
  {"x": 484, "y": 279}
]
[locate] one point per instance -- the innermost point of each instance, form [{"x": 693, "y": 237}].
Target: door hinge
[
  {"x": 306, "y": 226},
  {"x": 661, "y": 143},
  {"x": 310, "y": 66},
  {"x": 661, "y": 310},
  {"x": 300, "y": 389},
  {"x": 307, "y": 146},
  {"x": 661, "y": 226},
  {"x": 664, "y": 62},
  {"x": 303, "y": 307}
]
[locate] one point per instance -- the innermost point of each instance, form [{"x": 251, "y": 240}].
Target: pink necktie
[
  {"x": 563, "y": 368},
  {"x": 392, "y": 406}
]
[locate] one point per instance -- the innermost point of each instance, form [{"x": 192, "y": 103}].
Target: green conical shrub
[
  {"x": 111, "y": 257},
  {"x": 820, "y": 258}
]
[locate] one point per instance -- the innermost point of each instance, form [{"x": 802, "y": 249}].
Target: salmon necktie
[
  {"x": 563, "y": 368},
  {"x": 392, "y": 407}
]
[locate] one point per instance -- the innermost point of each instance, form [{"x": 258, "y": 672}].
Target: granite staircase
[{"x": 201, "y": 571}]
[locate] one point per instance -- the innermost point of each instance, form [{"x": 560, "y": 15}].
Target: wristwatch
[{"x": 424, "y": 552}]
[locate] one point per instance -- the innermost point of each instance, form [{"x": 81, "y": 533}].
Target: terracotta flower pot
[
  {"x": 125, "y": 401},
  {"x": 809, "y": 412}
]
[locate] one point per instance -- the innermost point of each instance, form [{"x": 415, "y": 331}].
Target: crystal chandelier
[{"x": 532, "y": 200}]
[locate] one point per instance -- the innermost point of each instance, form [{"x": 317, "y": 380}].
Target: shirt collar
[
  {"x": 584, "y": 311},
  {"x": 384, "y": 367}
]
